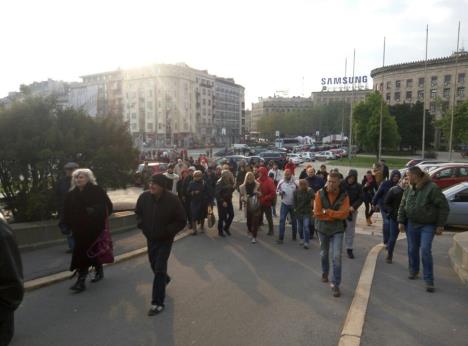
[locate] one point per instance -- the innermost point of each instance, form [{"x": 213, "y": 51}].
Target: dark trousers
[
  {"x": 253, "y": 219},
  {"x": 7, "y": 328},
  {"x": 312, "y": 227},
  {"x": 369, "y": 210},
  {"x": 158, "y": 253},
  {"x": 225, "y": 216},
  {"x": 268, "y": 214}
]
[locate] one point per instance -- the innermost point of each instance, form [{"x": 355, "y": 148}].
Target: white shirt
[
  {"x": 277, "y": 174},
  {"x": 286, "y": 190},
  {"x": 175, "y": 178}
]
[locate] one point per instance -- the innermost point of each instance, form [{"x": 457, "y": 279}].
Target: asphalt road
[{"x": 224, "y": 292}]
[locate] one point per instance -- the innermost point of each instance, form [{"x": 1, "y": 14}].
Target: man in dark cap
[
  {"x": 160, "y": 215},
  {"x": 11, "y": 282},
  {"x": 63, "y": 186}
]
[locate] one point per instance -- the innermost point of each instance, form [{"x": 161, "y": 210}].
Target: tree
[
  {"x": 409, "y": 118},
  {"x": 38, "y": 138},
  {"x": 460, "y": 124},
  {"x": 366, "y": 125}
]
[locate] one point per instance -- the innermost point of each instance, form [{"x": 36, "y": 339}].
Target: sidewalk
[{"x": 401, "y": 312}]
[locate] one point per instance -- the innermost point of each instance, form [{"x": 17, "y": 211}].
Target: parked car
[
  {"x": 296, "y": 158},
  {"x": 224, "y": 152},
  {"x": 307, "y": 156},
  {"x": 156, "y": 168},
  {"x": 413, "y": 162},
  {"x": 325, "y": 155},
  {"x": 236, "y": 159},
  {"x": 446, "y": 175},
  {"x": 457, "y": 197},
  {"x": 278, "y": 157}
]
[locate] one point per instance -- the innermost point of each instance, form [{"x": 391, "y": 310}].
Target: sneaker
[
  {"x": 336, "y": 291},
  {"x": 254, "y": 241},
  {"x": 155, "y": 309},
  {"x": 350, "y": 253},
  {"x": 413, "y": 276},
  {"x": 306, "y": 246},
  {"x": 325, "y": 277},
  {"x": 430, "y": 287},
  {"x": 279, "y": 241},
  {"x": 388, "y": 259}
]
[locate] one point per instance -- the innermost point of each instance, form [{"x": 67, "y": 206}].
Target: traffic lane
[
  {"x": 401, "y": 312},
  {"x": 224, "y": 292}
]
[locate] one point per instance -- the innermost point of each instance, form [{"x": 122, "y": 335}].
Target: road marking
[
  {"x": 65, "y": 275},
  {"x": 354, "y": 323}
]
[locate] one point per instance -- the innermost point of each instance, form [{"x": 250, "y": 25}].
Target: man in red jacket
[
  {"x": 267, "y": 195},
  {"x": 291, "y": 166}
]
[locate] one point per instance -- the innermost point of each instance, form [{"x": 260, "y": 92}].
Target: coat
[
  {"x": 199, "y": 201},
  {"x": 85, "y": 214},
  {"x": 267, "y": 189}
]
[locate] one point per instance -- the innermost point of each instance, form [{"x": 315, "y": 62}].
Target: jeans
[
  {"x": 386, "y": 226},
  {"x": 336, "y": 242},
  {"x": 7, "y": 327},
  {"x": 273, "y": 207},
  {"x": 420, "y": 239},
  {"x": 303, "y": 224},
  {"x": 369, "y": 210},
  {"x": 393, "y": 236},
  {"x": 350, "y": 231},
  {"x": 284, "y": 211},
  {"x": 225, "y": 216},
  {"x": 267, "y": 211},
  {"x": 253, "y": 219},
  {"x": 158, "y": 253}
]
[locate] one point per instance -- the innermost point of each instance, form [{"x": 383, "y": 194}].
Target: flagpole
[
  {"x": 382, "y": 102},
  {"x": 454, "y": 96},
  {"x": 344, "y": 104},
  {"x": 350, "y": 139},
  {"x": 424, "y": 101}
]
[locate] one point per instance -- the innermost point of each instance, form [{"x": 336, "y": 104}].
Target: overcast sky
[{"x": 264, "y": 45}]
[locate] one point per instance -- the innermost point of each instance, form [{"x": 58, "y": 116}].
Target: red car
[
  {"x": 449, "y": 174},
  {"x": 156, "y": 167}
]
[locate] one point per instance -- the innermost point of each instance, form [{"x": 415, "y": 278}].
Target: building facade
[{"x": 341, "y": 95}]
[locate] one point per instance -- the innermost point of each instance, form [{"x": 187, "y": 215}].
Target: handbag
[
  {"x": 103, "y": 249},
  {"x": 211, "y": 217},
  {"x": 252, "y": 203}
]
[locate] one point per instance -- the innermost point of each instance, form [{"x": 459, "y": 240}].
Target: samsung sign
[{"x": 344, "y": 80}]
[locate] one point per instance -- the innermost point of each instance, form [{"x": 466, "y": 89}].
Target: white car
[
  {"x": 325, "y": 155},
  {"x": 457, "y": 197},
  {"x": 296, "y": 158},
  {"x": 307, "y": 156}
]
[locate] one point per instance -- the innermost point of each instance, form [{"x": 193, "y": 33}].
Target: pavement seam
[
  {"x": 48, "y": 280},
  {"x": 354, "y": 323}
]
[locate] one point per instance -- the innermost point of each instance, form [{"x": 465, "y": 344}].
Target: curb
[{"x": 44, "y": 281}]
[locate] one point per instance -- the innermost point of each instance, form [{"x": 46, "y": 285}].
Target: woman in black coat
[{"x": 87, "y": 207}]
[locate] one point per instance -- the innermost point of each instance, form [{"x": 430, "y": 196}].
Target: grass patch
[{"x": 367, "y": 162}]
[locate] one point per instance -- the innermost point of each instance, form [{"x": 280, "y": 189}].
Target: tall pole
[
  {"x": 344, "y": 104},
  {"x": 382, "y": 102},
  {"x": 454, "y": 96},
  {"x": 350, "y": 139},
  {"x": 424, "y": 101}
]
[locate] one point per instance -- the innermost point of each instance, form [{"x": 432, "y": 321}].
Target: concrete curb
[
  {"x": 44, "y": 281},
  {"x": 458, "y": 255},
  {"x": 354, "y": 323}
]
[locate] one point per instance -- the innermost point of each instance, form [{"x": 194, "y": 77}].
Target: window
[
  {"x": 421, "y": 94},
  {"x": 149, "y": 105},
  {"x": 446, "y": 92},
  {"x": 134, "y": 127},
  {"x": 149, "y": 126},
  {"x": 434, "y": 81},
  {"x": 409, "y": 95},
  {"x": 461, "y": 78},
  {"x": 445, "y": 173},
  {"x": 447, "y": 79},
  {"x": 433, "y": 93},
  {"x": 461, "y": 91},
  {"x": 421, "y": 82},
  {"x": 203, "y": 91},
  {"x": 381, "y": 87},
  {"x": 463, "y": 172},
  {"x": 462, "y": 196},
  {"x": 432, "y": 107},
  {"x": 387, "y": 97},
  {"x": 409, "y": 83},
  {"x": 389, "y": 85},
  {"x": 397, "y": 84},
  {"x": 133, "y": 115},
  {"x": 397, "y": 97}
]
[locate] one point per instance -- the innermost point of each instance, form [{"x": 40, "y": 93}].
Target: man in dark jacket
[
  {"x": 355, "y": 194},
  {"x": 378, "y": 201},
  {"x": 160, "y": 216},
  {"x": 11, "y": 282},
  {"x": 316, "y": 183},
  {"x": 424, "y": 209}
]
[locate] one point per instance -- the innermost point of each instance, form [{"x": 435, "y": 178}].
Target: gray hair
[{"x": 86, "y": 172}]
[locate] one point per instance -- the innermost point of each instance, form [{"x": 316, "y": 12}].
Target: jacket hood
[
  {"x": 352, "y": 173},
  {"x": 264, "y": 173},
  {"x": 394, "y": 173}
]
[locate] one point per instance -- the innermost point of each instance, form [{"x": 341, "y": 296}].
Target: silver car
[{"x": 457, "y": 197}]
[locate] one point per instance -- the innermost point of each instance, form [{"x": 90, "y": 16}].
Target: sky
[{"x": 265, "y": 46}]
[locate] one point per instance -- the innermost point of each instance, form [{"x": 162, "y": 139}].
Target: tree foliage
[
  {"x": 460, "y": 124},
  {"x": 366, "y": 125},
  {"x": 38, "y": 138}
]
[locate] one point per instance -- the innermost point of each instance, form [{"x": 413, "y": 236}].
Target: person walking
[
  {"x": 323, "y": 172},
  {"x": 160, "y": 215},
  {"x": 267, "y": 195},
  {"x": 379, "y": 198},
  {"x": 63, "y": 186},
  {"x": 249, "y": 194},
  {"x": 173, "y": 178},
  {"x": 87, "y": 207},
  {"x": 424, "y": 209},
  {"x": 391, "y": 204},
  {"x": 223, "y": 194},
  {"x": 199, "y": 200},
  {"x": 303, "y": 206},
  {"x": 331, "y": 208},
  {"x": 240, "y": 178},
  {"x": 385, "y": 170},
  {"x": 315, "y": 182},
  {"x": 276, "y": 174},
  {"x": 11, "y": 282},
  {"x": 285, "y": 189},
  {"x": 369, "y": 187},
  {"x": 291, "y": 166},
  {"x": 354, "y": 191}
]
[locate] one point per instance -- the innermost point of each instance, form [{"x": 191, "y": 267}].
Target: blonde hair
[
  {"x": 246, "y": 179},
  {"x": 86, "y": 172}
]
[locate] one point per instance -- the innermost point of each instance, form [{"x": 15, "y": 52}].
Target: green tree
[
  {"x": 460, "y": 124},
  {"x": 38, "y": 139},
  {"x": 366, "y": 125},
  {"x": 409, "y": 118}
]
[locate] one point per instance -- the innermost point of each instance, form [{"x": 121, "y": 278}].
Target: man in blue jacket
[{"x": 379, "y": 198}]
